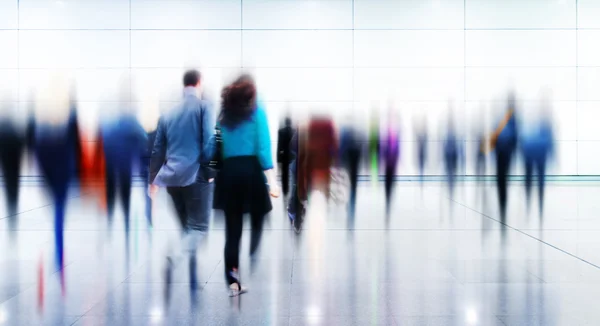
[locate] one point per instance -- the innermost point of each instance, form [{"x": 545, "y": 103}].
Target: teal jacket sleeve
[{"x": 264, "y": 139}]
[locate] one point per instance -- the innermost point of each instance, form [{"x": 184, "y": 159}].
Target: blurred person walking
[
  {"x": 179, "y": 162},
  {"x": 284, "y": 138},
  {"x": 390, "y": 152},
  {"x": 12, "y": 146},
  {"x": 149, "y": 116},
  {"x": 504, "y": 142},
  {"x": 123, "y": 140},
  {"x": 92, "y": 174},
  {"x": 246, "y": 178},
  {"x": 145, "y": 171},
  {"x": 453, "y": 154},
  {"x": 54, "y": 135},
  {"x": 298, "y": 197},
  {"x": 480, "y": 166},
  {"x": 481, "y": 150},
  {"x": 321, "y": 151},
  {"x": 421, "y": 137},
  {"x": 350, "y": 155},
  {"x": 374, "y": 145},
  {"x": 537, "y": 147}
]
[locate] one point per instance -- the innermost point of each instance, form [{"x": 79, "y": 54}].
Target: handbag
[{"x": 216, "y": 162}]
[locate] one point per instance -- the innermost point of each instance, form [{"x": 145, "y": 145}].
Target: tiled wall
[{"x": 337, "y": 55}]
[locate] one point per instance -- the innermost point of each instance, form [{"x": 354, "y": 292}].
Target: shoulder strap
[{"x": 500, "y": 128}]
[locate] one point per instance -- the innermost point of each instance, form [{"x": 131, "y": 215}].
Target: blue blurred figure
[
  {"x": 453, "y": 154},
  {"x": 54, "y": 137},
  {"x": 124, "y": 141},
  {"x": 537, "y": 146},
  {"x": 350, "y": 154},
  {"x": 504, "y": 142}
]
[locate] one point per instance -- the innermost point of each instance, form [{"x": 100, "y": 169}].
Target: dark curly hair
[{"x": 238, "y": 102}]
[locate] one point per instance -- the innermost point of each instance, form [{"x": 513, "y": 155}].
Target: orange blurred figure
[{"x": 92, "y": 170}]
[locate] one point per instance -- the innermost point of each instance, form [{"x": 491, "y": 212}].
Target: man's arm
[{"x": 159, "y": 151}]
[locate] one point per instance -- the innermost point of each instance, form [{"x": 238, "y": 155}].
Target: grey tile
[
  {"x": 448, "y": 320},
  {"x": 241, "y": 320},
  {"x": 351, "y": 320},
  {"x": 147, "y": 299},
  {"x": 262, "y": 299},
  {"x": 154, "y": 271},
  {"x": 339, "y": 299},
  {"x": 157, "y": 319},
  {"x": 50, "y": 299},
  {"x": 258, "y": 271},
  {"x": 541, "y": 320},
  {"x": 41, "y": 320},
  {"x": 491, "y": 271},
  {"x": 424, "y": 299}
]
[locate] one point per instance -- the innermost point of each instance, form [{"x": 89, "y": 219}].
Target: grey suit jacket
[{"x": 182, "y": 147}]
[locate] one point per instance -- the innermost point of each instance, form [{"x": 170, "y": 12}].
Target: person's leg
[
  {"x": 479, "y": 165},
  {"x": 10, "y": 160},
  {"x": 111, "y": 188},
  {"x": 421, "y": 165},
  {"x": 541, "y": 170},
  {"x": 294, "y": 202},
  {"x": 528, "y": 179},
  {"x": 197, "y": 198},
  {"x": 499, "y": 181},
  {"x": 256, "y": 221},
  {"x": 174, "y": 255},
  {"x": 285, "y": 179},
  {"x": 148, "y": 203},
  {"x": 60, "y": 201},
  {"x": 178, "y": 205},
  {"x": 502, "y": 164},
  {"x": 451, "y": 172},
  {"x": 175, "y": 252},
  {"x": 353, "y": 175},
  {"x": 480, "y": 171},
  {"x": 125, "y": 176},
  {"x": 389, "y": 178},
  {"x": 198, "y": 203},
  {"x": 233, "y": 235}
]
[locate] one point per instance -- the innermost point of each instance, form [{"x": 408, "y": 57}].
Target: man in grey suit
[{"x": 179, "y": 163}]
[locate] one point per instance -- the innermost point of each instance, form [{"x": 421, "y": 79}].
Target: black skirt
[{"x": 241, "y": 187}]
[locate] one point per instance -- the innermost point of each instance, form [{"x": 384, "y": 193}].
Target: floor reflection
[{"x": 436, "y": 261}]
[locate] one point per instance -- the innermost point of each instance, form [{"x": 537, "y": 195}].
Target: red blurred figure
[
  {"x": 321, "y": 147},
  {"x": 92, "y": 171}
]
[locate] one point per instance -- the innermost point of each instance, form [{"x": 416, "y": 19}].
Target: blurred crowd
[{"x": 211, "y": 155}]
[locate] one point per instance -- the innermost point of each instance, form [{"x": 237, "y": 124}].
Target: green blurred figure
[{"x": 374, "y": 144}]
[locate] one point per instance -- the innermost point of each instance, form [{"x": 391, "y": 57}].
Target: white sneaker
[{"x": 235, "y": 289}]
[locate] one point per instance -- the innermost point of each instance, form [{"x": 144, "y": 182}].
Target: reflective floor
[{"x": 436, "y": 261}]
